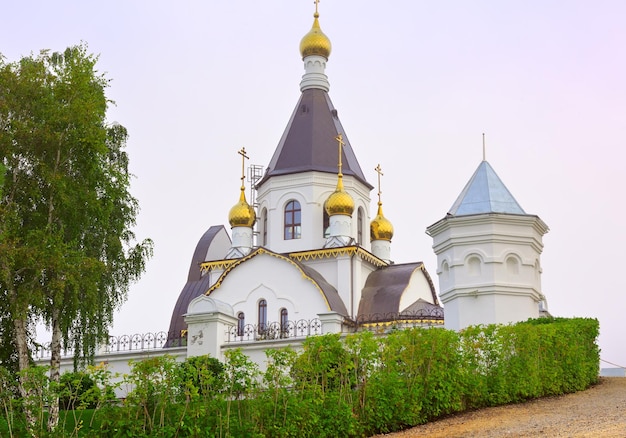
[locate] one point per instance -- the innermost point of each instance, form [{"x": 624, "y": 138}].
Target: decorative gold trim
[
  {"x": 217, "y": 264},
  {"x": 237, "y": 262},
  {"x": 336, "y": 252}
]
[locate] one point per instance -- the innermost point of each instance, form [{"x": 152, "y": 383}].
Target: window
[
  {"x": 292, "y": 220},
  {"x": 359, "y": 227},
  {"x": 241, "y": 323},
  {"x": 264, "y": 225},
  {"x": 284, "y": 320},
  {"x": 262, "y": 316}
]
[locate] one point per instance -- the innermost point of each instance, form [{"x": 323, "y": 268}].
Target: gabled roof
[
  {"x": 308, "y": 143},
  {"x": 328, "y": 291},
  {"x": 485, "y": 193}
]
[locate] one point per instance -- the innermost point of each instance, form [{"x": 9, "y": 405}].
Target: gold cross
[
  {"x": 341, "y": 143},
  {"x": 317, "y": 2},
  {"x": 379, "y": 171},
  {"x": 242, "y": 152}
]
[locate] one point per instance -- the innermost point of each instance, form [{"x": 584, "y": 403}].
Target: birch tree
[{"x": 67, "y": 250}]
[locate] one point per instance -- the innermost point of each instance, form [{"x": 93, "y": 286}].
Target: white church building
[{"x": 304, "y": 257}]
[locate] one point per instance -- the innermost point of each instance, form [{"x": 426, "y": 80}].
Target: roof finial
[
  {"x": 317, "y": 2},
  {"x": 339, "y": 202},
  {"x": 242, "y": 214},
  {"x": 341, "y": 143},
  {"x": 379, "y": 171},
  {"x": 484, "y": 152},
  {"x": 242, "y": 152}
]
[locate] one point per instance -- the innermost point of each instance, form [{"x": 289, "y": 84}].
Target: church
[{"x": 304, "y": 257}]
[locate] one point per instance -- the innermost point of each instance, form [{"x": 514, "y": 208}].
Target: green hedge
[{"x": 355, "y": 386}]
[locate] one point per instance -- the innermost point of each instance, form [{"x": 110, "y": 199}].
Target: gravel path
[{"x": 599, "y": 411}]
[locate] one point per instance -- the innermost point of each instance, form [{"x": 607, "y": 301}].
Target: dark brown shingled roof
[
  {"x": 384, "y": 287},
  {"x": 308, "y": 143},
  {"x": 196, "y": 285}
]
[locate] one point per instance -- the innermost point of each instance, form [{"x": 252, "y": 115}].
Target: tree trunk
[
  {"x": 26, "y": 388},
  {"x": 55, "y": 371}
]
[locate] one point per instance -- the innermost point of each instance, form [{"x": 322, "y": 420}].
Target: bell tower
[{"x": 488, "y": 255}]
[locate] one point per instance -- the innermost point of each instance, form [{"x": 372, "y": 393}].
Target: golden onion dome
[
  {"x": 242, "y": 214},
  {"x": 340, "y": 201},
  {"x": 381, "y": 228},
  {"x": 315, "y": 42}
]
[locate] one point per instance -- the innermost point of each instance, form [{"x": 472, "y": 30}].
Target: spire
[
  {"x": 315, "y": 42},
  {"x": 306, "y": 144},
  {"x": 242, "y": 214},
  {"x": 380, "y": 228},
  {"x": 484, "y": 150},
  {"x": 315, "y": 49},
  {"x": 340, "y": 201},
  {"x": 241, "y": 218}
]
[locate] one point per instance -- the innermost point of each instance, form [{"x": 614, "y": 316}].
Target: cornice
[{"x": 337, "y": 252}]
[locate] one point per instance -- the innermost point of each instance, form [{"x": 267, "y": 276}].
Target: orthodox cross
[
  {"x": 379, "y": 171},
  {"x": 317, "y": 2},
  {"x": 341, "y": 143},
  {"x": 242, "y": 152}
]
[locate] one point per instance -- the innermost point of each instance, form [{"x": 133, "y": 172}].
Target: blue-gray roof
[{"x": 485, "y": 193}]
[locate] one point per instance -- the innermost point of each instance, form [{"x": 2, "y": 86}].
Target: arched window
[
  {"x": 264, "y": 227},
  {"x": 359, "y": 227},
  {"x": 284, "y": 320},
  {"x": 241, "y": 323},
  {"x": 262, "y": 316},
  {"x": 292, "y": 220}
]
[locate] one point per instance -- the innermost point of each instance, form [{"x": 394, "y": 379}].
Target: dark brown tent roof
[
  {"x": 196, "y": 285},
  {"x": 384, "y": 287},
  {"x": 308, "y": 143},
  {"x": 332, "y": 296}
]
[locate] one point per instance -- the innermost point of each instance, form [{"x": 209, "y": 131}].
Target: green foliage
[
  {"x": 36, "y": 385},
  {"x": 203, "y": 376},
  {"x": 2, "y": 172},
  {"x": 356, "y": 386},
  {"x": 73, "y": 390},
  {"x": 154, "y": 401},
  {"x": 67, "y": 251},
  {"x": 12, "y": 422},
  {"x": 540, "y": 357}
]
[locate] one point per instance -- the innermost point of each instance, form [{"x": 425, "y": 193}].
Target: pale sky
[{"x": 415, "y": 83}]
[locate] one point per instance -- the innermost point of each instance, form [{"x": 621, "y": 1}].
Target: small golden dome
[
  {"x": 340, "y": 201},
  {"x": 315, "y": 42},
  {"x": 242, "y": 214},
  {"x": 381, "y": 228}
]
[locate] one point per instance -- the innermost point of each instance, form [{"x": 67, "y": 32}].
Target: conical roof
[
  {"x": 308, "y": 143},
  {"x": 485, "y": 193}
]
